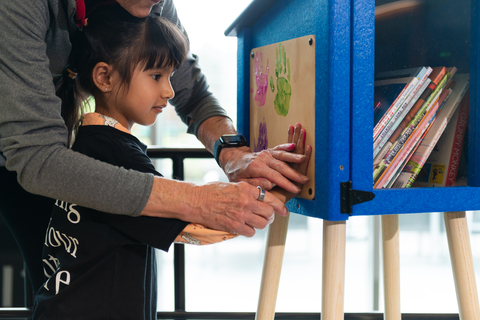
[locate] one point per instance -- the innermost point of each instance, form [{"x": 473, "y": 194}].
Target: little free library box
[{"x": 353, "y": 73}]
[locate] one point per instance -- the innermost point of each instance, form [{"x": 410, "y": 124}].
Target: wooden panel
[{"x": 282, "y": 93}]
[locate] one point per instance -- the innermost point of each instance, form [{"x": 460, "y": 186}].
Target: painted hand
[
  {"x": 266, "y": 168},
  {"x": 296, "y": 135},
  {"x": 262, "y": 143},
  {"x": 261, "y": 80},
  {"x": 284, "y": 89}
]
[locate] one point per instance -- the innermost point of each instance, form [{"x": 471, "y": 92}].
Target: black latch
[{"x": 349, "y": 197}]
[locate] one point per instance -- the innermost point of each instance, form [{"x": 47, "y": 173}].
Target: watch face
[{"x": 233, "y": 139}]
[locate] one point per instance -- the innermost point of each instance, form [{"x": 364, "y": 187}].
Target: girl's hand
[{"x": 297, "y": 136}]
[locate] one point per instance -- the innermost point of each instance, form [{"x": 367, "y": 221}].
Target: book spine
[
  {"x": 391, "y": 110},
  {"x": 408, "y": 149},
  {"x": 397, "y": 119},
  {"x": 398, "y": 103},
  {"x": 458, "y": 142},
  {"x": 418, "y": 159},
  {"x": 414, "y": 146},
  {"x": 436, "y": 77},
  {"x": 397, "y": 146}
]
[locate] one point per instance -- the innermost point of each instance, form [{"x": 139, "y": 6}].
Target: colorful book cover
[
  {"x": 436, "y": 76},
  {"x": 412, "y": 169},
  {"x": 441, "y": 167},
  {"x": 412, "y": 125},
  {"x": 391, "y": 90}
]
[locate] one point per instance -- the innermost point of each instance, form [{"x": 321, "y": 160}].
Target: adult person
[{"x": 35, "y": 37}]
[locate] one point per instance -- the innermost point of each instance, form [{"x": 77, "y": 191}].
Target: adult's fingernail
[
  {"x": 272, "y": 218},
  {"x": 285, "y": 211}
]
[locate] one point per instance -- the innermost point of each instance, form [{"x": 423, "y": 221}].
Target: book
[
  {"x": 441, "y": 167},
  {"x": 412, "y": 125},
  {"x": 411, "y": 144},
  {"x": 415, "y": 140},
  {"x": 407, "y": 177},
  {"x": 390, "y": 92},
  {"x": 435, "y": 77},
  {"x": 397, "y": 119}
]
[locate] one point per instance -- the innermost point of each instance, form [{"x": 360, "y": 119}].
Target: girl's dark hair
[{"x": 119, "y": 39}]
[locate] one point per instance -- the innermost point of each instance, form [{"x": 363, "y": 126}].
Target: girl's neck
[
  {"x": 97, "y": 119},
  {"x": 113, "y": 113}
]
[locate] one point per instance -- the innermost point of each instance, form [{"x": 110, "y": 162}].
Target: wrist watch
[{"x": 228, "y": 141}]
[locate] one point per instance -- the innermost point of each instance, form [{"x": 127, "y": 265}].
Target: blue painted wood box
[{"x": 351, "y": 46}]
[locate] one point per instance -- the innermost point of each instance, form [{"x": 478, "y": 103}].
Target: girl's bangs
[{"x": 164, "y": 45}]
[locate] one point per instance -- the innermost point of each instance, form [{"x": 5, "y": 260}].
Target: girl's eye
[{"x": 156, "y": 77}]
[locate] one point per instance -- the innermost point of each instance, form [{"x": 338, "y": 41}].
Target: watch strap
[
  {"x": 228, "y": 141},
  {"x": 216, "y": 151}
]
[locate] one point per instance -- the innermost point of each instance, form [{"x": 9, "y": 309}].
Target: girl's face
[
  {"x": 138, "y": 8},
  {"x": 144, "y": 99}
]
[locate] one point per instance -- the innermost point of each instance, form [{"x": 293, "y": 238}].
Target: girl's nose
[{"x": 167, "y": 91}]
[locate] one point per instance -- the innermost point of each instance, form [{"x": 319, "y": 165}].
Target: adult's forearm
[
  {"x": 32, "y": 132},
  {"x": 172, "y": 199},
  {"x": 60, "y": 173},
  {"x": 231, "y": 207},
  {"x": 211, "y": 129}
]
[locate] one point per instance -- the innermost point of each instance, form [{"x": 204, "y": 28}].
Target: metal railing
[{"x": 178, "y": 171}]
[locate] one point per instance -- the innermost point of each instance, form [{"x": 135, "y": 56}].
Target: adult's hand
[
  {"x": 266, "y": 168},
  {"x": 231, "y": 207}
]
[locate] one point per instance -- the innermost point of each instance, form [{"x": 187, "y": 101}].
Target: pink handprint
[{"x": 261, "y": 80}]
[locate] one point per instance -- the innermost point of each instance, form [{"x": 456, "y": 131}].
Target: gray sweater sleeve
[
  {"x": 193, "y": 101},
  {"x": 32, "y": 132}
]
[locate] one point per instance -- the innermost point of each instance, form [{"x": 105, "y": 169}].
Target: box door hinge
[{"x": 349, "y": 197}]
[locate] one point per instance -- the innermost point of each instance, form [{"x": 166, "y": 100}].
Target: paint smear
[
  {"x": 262, "y": 137},
  {"x": 261, "y": 79},
  {"x": 284, "y": 89}
]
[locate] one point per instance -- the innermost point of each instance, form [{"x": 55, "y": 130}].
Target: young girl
[{"x": 100, "y": 265}]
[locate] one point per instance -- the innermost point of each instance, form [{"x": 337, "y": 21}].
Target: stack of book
[{"x": 413, "y": 109}]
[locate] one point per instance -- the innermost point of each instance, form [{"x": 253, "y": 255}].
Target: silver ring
[{"x": 261, "y": 195}]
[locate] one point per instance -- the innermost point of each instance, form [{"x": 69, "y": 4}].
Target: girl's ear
[{"x": 103, "y": 77}]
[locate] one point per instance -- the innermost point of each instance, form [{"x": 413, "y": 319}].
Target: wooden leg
[
  {"x": 272, "y": 268},
  {"x": 391, "y": 267},
  {"x": 462, "y": 265},
  {"x": 333, "y": 266}
]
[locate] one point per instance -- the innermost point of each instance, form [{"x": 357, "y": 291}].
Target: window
[{"x": 226, "y": 276}]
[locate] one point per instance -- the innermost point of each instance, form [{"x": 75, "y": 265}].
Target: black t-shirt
[{"x": 100, "y": 265}]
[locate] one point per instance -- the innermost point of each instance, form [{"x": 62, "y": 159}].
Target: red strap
[
  {"x": 80, "y": 20},
  {"x": 80, "y": 13}
]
